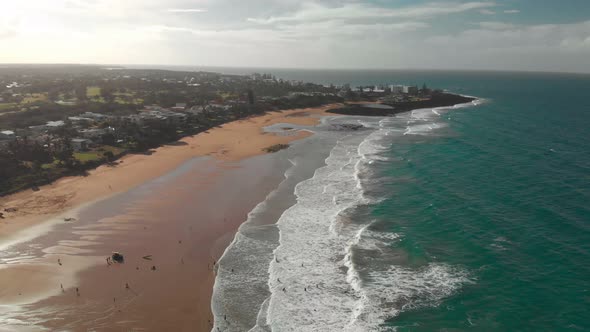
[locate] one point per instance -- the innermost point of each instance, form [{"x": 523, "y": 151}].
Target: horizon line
[{"x": 15, "y": 64}]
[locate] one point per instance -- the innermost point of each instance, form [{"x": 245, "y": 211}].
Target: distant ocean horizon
[{"x": 351, "y": 76}]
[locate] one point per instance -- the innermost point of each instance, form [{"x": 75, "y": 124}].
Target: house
[
  {"x": 36, "y": 130},
  {"x": 136, "y": 119},
  {"x": 80, "y": 144},
  {"x": 91, "y": 115},
  {"x": 196, "y": 110},
  {"x": 179, "y": 107},
  {"x": 50, "y": 125},
  {"x": 93, "y": 134},
  {"x": 79, "y": 119},
  {"x": 215, "y": 107},
  {"x": 175, "y": 118},
  {"x": 54, "y": 124},
  {"x": 7, "y": 135}
]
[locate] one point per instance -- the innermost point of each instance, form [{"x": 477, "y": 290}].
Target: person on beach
[
  {"x": 127, "y": 285},
  {"x": 77, "y": 291},
  {"x": 59, "y": 261}
]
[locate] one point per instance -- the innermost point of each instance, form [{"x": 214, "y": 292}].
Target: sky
[{"x": 531, "y": 35}]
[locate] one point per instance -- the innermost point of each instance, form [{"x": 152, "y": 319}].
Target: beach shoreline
[
  {"x": 229, "y": 142},
  {"x": 65, "y": 201},
  {"x": 226, "y": 147}
]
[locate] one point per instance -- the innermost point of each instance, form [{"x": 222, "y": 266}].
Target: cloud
[
  {"x": 187, "y": 10},
  {"x": 289, "y": 33},
  {"x": 7, "y": 33},
  {"x": 496, "y": 25},
  {"x": 541, "y": 39},
  {"x": 310, "y": 12},
  {"x": 487, "y": 12}
]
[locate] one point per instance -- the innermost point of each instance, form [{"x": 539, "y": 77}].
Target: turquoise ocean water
[
  {"x": 474, "y": 218},
  {"x": 502, "y": 193}
]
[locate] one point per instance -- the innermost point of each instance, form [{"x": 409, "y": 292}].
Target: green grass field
[
  {"x": 34, "y": 97},
  {"x": 87, "y": 156},
  {"x": 5, "y": 106},
  {"x": 92, "y": 91}
]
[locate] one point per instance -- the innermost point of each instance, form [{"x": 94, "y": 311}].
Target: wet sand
[{"x": 184, "y": 219}]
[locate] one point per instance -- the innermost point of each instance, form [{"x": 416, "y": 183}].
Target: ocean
[{"x": 474, "y": 217}]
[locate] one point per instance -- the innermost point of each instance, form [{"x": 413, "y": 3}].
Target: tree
[
  {"x": 65, "y": 151},
  {"x": 251, "y": 99},
  {"x": 53, "y": 94},
  {"x": 109, "y": 156},
  {"x": 109, "y": 139},
  {"x": 106, "y": 92},
  {"x": 6, "y": 96},
  {"x": 81, "y": 93}
]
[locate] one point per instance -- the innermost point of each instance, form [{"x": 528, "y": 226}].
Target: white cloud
[
  {"x": 286, "y": 33},
  {"x": 496, "y": 25},
  {"x": 187, "y": 10},
  {"x": 357, "y": 11},
  {"x": 487, "y": 12},
  {"x": 496, "y": 45}
]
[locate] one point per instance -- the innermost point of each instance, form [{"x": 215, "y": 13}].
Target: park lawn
[
  {"x": 104, "y": 148},
  {"x": 92, "y": 91},
  {"x": 226, "y": 95},
  {"x": 134, "y": 101},
  {"x": 34, "y": 97},
  {"x": 88, "y": 156},
  {"x": 52, "y": 165},
  {"x": 5, "y": 106}
]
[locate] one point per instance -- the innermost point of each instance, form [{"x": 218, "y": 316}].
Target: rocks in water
[
  {"x": 348, "y": 126},
  {"x": 276, "y": 148}
]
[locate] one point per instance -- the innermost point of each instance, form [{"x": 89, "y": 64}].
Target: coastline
[
  {"x": 43, "y": 212},
  {"x": 227, "y": 146},
  {"x": 440, "y": 101},
  {"x": 229, "y": 142}
]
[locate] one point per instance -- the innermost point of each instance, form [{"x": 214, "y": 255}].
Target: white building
[
  {"x": 54, "y": 124},
  {"x": 410, "y": 89},
  {"x": 94, "y": 134},
  {"x": 396, "y": 89},
  {"x": 7, "y": 135}
]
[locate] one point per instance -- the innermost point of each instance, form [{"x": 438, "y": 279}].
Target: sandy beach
[
  {"x": 230, "y": 142},
  {"x": 152, "y": 221}
]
